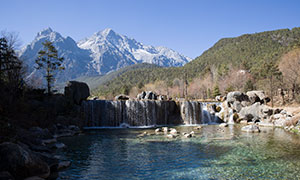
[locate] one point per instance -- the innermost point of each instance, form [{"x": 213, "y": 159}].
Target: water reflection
[{"x": 215, "y": 153}]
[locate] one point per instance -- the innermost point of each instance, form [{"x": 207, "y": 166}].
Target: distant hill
[
  {"x": 95, "y": 81},
  {"x": 248, "y": 52}
]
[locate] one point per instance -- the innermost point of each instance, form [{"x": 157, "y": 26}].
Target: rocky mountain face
[
  {"x": 76, "y": 60},
  {"x": 103, "y": 52}
]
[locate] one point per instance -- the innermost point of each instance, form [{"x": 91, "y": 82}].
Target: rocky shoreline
[
  {"x": 29, "y": 151},
  {"x": 33, "y": 154}
]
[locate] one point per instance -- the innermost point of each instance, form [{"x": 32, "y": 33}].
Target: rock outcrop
[
  {"x": 251, "y": 107},
  {"x": 76, "y": 92},
  {"x": 21, "y": 162}
]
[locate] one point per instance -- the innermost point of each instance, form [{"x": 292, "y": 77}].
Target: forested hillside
[{"x": 249, "y": 52}]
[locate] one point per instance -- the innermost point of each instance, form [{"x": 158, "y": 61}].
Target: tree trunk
[
  {"x": 271, "y": 88},
  {"x": 282, "y": 96},
  {"x": 48, "y": 81},
  {"x": 293, "y": 91}
]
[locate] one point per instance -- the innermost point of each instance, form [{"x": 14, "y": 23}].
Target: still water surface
[{"x": 215, "y": 153}]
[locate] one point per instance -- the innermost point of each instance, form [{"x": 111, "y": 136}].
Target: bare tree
[
  {"x": 12, "y": 38},
  {"x": 236, "y": 79},
  {"x": 289, "y": 66}
]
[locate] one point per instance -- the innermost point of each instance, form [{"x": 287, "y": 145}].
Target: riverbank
[{"x": 30, "y": 130}]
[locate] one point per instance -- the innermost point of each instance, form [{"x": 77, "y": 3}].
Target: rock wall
[{"x": 104, "y": 113}]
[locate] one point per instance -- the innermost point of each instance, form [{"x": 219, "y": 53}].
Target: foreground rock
[
  {"x": 158, "y": 130},
  {"x": 188, "y": 135},
  {"x": 4, "y": 175},
  {"x": 60, "y": 130},
  {"x": 63, "y": 165},
  {"x": 171, "y": 136},
  {"x": 21, "y": 163},
  {"x": 165, "y": 129},
  {"x": 76, "y": 92},
  {"x": 251, "y": 129},
  {"x": 173, "y": 131},
  {"x": 33, "y": 156},
  {"x": 223, "y": 125}
]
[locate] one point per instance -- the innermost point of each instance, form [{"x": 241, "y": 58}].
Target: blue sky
[{"x": 187, "y": 26}]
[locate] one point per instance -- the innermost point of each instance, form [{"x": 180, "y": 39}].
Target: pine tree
[
  {"x": 216, "y": 91},
  {"x": 48, "y": 59},
  {"x": 249, "y": 86},
  {"x": 125, "y": 90},
  {"x": 10, "y": 64}
]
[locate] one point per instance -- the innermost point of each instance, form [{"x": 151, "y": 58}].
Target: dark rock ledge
[{"x": 32, "y": 155}]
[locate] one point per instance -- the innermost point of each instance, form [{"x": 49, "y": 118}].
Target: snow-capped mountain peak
[
  {"x": 107, "y": 32},
  {"x": 49, "y": 34},
  {"x": 45, "y": 31},
  {"x": 103, "y": 52},
  {"x": 128, "y": 50}
]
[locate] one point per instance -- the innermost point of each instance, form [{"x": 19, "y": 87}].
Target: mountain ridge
[{"x": 103, "y": 52}]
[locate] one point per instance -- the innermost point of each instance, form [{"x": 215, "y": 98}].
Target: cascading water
[
  {"x": 208, "y": 115},
  {"x": 105, "y": 113},
  {"x": 191, "y": 112}
]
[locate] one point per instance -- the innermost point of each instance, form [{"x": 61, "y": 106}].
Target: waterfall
[
  {"x": 191, "y": 112},
  {"x": 137, "y": 113},
  {"x": 208, "y": 115}
]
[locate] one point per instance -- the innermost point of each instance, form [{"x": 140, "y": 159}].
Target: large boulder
[
  {"x": 251, "y": 129},
  {"x": 237, "y": 106},
  {"x": 256, "y": 112},
  {"x": 162, "y": 98},
  {"x": 76, "y": 92},
  {"x": 257, "y": 96},
  {"x": 21, "y": 163},
  {"x": 251, "y": 112},
  {"x": 147, "y": 95},
  {"x": 150, "y": 95},
  {"x": 141, "y": 95},
  {"x": 40, "y": 133},
  {"x": 121, "y": 97},
  {"x": 236, "y": 96}
]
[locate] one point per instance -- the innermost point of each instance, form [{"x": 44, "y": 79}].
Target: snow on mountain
[
  {"x": 103, "y": 52},
  {"x": 76, "y": 60},
  {"x": 107, "y": 44}
]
